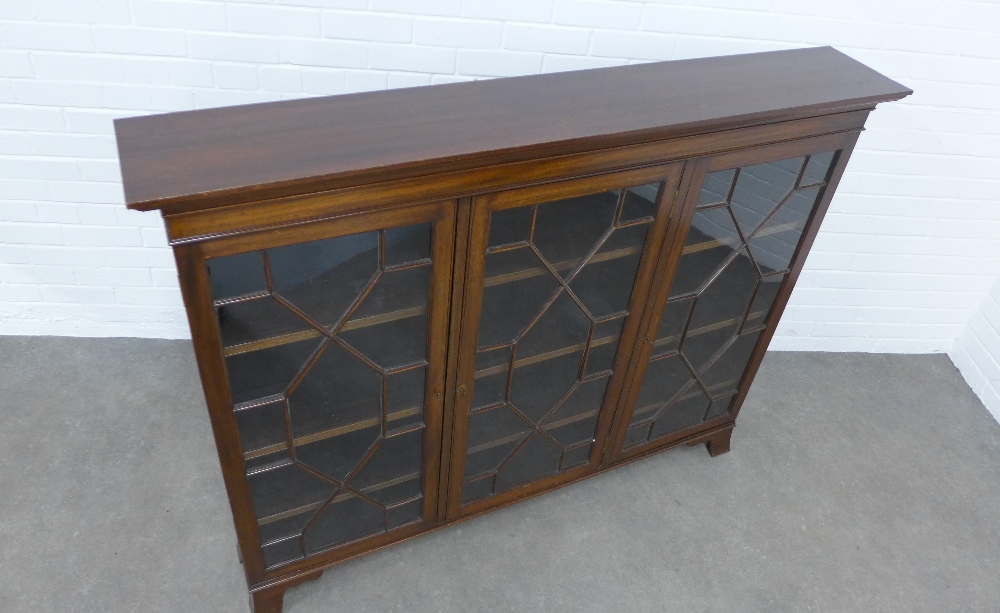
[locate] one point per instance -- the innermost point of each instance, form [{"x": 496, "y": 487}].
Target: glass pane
[
  {"x": 567, "y": 230},
  {"x": 346, "y": 374},
  {"x": 817, "y": 168},
  {"x": 688, "y": 410},
  {"x": 573, "y": 421},
  {"x": 715, "y": 189},
  {"x": 283, "y": 528},
  {"x": 605, "y": 284},
  {"x": 262, "y": 426},
  {"x": 710, "y": 242},
  {"x": 760, "y": 189},
  {"x": 283, "y": 551},
  {"x": 347, "y": 518},
  {"x": 390, "y": 326},
  {"x": 236, "y": 275},
  {"x": 336, "y": 454},
  {"x": 640, "y": 202},
  {"x": 664, "y": 379},
  {"x": 492, "y": 369},
  {"x": 510, "y": 226},
  {"x": 763, "y": 300},
  {"x": 392, "y": 473},
  {"x": 265, "y": 372},
  {"x": 477, "y": 488},
  {"x": 285, "y": 489},
  {"x": 324, "y": 278},
  {"x": 404, "y": 397},
  {"x": 672, "y": 324},
  {"x": 603, "y": 345},
  {"x": 745, "y": 231},
  {"x": 516, "y": 287},
  {"x": 338, "y": 391},
  {"x": 774, "y": 244},
  {"x": 405, "y": 513},
  {"x": 259, "y": 319},
  {"x": 493, "y": 434},
  {"x": 536, "y": 458},
  {"x": 407, "y": 244},
  {"x": 553, "y": 309},
  {"x": 576, "y": 456}
]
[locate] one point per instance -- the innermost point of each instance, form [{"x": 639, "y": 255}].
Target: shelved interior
[
  {"x": 325, "y": 345},
  {"x": 558, "y": 282},
  {"x": 746, "y": 227}
]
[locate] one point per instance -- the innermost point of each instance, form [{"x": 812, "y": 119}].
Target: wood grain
[{"x": 300, "y": 146}]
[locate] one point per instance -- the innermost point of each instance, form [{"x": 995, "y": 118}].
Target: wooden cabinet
[{"x": 411, "y": 307}]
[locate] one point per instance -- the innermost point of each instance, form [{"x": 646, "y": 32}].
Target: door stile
[
  {"x": 670, "y": 252},
  {"x": 463, "y": 220}
]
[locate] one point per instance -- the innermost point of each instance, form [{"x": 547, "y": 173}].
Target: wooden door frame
[
  {"x": 468, "y": 328},
  {"x": 843, "y": 142},
  {"x": 208, "y": 350}
]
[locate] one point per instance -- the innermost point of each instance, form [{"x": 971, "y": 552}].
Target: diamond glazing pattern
[
  {"x": 558, "y": 282},
  {"x": 746, "y": 227},
  {"x": 325, "y": 345}
]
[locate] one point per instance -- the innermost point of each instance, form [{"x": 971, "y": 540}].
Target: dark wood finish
[
  {"x": 719, "y": 443},
  {"x": 294, "y": 210},
  {"x": 266, "y": 150},
  {"x": 482, "y": 207},
  {"x": 258, "y": 178},
  {"x": 841, "y": 141}
]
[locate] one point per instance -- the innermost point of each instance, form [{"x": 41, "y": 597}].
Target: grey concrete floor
[{"x": 856, "y": 482}]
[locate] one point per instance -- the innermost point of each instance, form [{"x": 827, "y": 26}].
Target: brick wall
[
  {"x": 909, "y": 251},
  {"x": 977, "y": 351}
]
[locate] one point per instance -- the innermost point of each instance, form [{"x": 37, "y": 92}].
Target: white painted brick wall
[
  {"x": 907, "y": 255},
  {"x": 977, "y": 351}
]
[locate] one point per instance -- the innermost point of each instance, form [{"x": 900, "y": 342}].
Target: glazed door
[
  {"x": 330, "y": 336},
  {"x": 746, "y": 215},
  {"x": 553, "y": 276}
]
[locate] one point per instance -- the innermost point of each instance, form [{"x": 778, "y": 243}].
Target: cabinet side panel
[{"x": 207, "y": 346}]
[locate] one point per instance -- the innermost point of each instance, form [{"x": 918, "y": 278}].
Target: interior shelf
[
  {"x": 332, "y": 432},
  {"x": 308, "y": 508},
  {"x": 294, "y": 337},
  {"x": 536, "y": 271}
]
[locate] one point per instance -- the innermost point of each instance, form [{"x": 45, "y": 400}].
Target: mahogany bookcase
[{"x": 410, "y": 307}]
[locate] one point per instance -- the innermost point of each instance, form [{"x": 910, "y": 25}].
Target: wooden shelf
[
  {"x": 650, "y": 408},
  {"x": 538, "y": 271},
  {"x": 520, "y": 435},
  {"x": 709, "y": 328},
  {"x": 548, "y": 355},
  {"x": 294, "y": 337},
  {"x": 308, "y": 508},
  {"x": 332, "y": 432},
  {"x": 734, "y": 241}
]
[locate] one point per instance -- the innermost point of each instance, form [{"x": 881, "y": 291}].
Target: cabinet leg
[
  {"x": 270, "y": 600},
  {"x": 719, "y": 443}
]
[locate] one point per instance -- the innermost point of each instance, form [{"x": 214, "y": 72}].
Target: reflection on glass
[
  {"x": 326, "y": 353},
  {"x": 746, "y": 227},
  {"x": 558, "y": 284}
]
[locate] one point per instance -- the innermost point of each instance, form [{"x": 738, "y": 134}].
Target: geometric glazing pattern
[
  {"x": 744, "y": 233},
  {"x": 325, "y": 346},
  {"x": 558, "y": 282}
]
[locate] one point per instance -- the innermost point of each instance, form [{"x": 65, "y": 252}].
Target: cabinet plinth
[{"x": 415, "y": 306}]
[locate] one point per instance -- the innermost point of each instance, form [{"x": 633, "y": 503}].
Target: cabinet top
[{"x": 200, "y": 159}]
